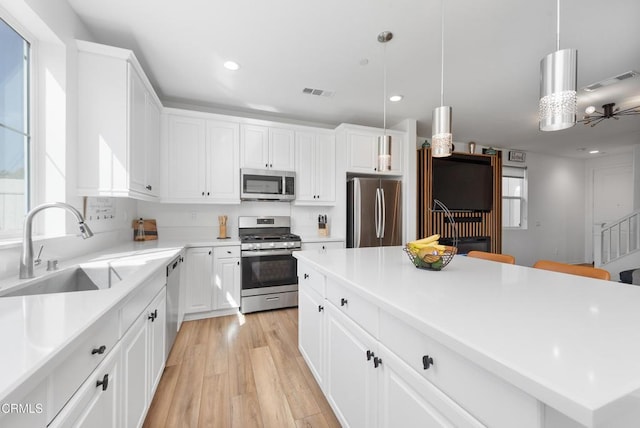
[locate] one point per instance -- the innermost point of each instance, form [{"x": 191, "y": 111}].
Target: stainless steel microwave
[{"x": 267, "y": 185}]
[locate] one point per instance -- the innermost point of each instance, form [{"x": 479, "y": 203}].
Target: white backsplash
[{"x": 200, "y": 222}]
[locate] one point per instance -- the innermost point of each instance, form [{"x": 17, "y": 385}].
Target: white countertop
[
  {"x": 571, "y": 342},
  {"x": 35, "y": 329}
]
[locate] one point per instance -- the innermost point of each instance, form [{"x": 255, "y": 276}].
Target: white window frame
[
  {"x": 31, "y": 187},
  {"x": 517, "y": 172}
]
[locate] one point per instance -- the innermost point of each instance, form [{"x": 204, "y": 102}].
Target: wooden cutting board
[{"x": 150, "y": 230}]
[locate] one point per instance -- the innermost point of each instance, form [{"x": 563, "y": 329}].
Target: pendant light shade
[
  {"x": 558, "y": 95},
  {"x": 558, "y": 86},
  {"x": 384, "y": 141},
  {"x": 441, "y": 137},
  {"x": 384, "y": 152}
]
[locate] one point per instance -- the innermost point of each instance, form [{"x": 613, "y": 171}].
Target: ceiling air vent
[
  {"x": 611, "y": 80},
  {"x": 318, "y": 92}
]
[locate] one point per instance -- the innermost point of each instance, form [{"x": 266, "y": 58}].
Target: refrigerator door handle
[
  {"x": 383, "y": 207},
  {"x": 357, "y": 211},
  {"x": 377, "y": 213}
]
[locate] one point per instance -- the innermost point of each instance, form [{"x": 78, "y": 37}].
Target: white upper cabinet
[
  {"x": 315, "y": 168},
  {"x": 362, "y": 150},
  {"x": 264, "y": 147},
  {"x": 118, "y": 125},
  {"x": 202, "y": 159}
]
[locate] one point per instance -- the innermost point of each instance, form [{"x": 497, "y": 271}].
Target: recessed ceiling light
[
  {"x": 395, "y": 98},
  {"x": 231, "y": 65},
  {"x": 594, "y": 152}
]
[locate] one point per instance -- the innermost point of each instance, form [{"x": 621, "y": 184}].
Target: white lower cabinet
[
  {"x": 311, "y": 310},
  {"x": 226, "y": 280},
  {"x": 322, "y": 246},
  {"x": 406, "y": 399},
  {"x": 95, "y": 404},
  {"x": 212, "y": 279},
  {"x": 199, "y": 274},
  {"x": 143, "y": 360},
  {"x": 351, "y": 378}
]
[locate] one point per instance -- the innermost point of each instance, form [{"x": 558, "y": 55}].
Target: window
[
  {"x": 514, "y": 197},
  {"x": 14, "y": 130}
]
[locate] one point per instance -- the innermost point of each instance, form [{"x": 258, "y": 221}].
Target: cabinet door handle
[
  {"x": 427, "y": 362},
  {"x": 228, "y": 252},
  {"x": 151, "y": 317},
  {"x": 270, "y": 165},
  {"x": 320, "y": 308},
  {"x": 370, "y": 355},
  {"x": 343, "y": 302},
  {"x": 266, "y": 165},
  {"x": 99, "y": 350},
  {"x": 377, "y": 362},
  {"x": 148, "y": 187},
  {"x": 238, "y": 263},
  {"x": 306, "y": 276},
  {"x": 209, "y": 252},
  {"x": 104, "y": 382},
  {"x": 202, "y": 193}
]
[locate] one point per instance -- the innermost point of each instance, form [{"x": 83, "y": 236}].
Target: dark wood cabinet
[{"x": 474, "y": 227}]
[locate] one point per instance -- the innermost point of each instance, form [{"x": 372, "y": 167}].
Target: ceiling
[{"x": 492, "y": 52}]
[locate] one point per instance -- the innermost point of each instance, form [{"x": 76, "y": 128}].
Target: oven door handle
[{"x": 258, "y": 253}]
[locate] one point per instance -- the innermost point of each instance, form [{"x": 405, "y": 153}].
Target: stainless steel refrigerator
[{"x": 374, "y": 212}]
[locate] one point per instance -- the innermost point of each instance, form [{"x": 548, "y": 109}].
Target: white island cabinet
[{"x": 477, "y": 344}]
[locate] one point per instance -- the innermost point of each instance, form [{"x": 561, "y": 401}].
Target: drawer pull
[
  {"x": 104, "y": 382},
  {"x": 320, "y": 308},
  {"x": 370, "y": 355},
  {"x": 269, "y": 299},
  {"x": 99, "y": 350},
  {"x": 377, "y": 362},
  {"x": 427, "y": 362},
  {"x": 306, "y": 276},
  {"x": 343, "y": 302},
  {"x": 153, "y": 315}
]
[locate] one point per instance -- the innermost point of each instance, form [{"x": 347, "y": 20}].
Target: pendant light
[
  {"x": 384, "y": 141},
  {"x": 441, "y": 137},
  {"x": 558, "y": 80}
]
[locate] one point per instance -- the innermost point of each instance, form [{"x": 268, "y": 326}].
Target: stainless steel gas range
[{"x": 269, "y": 270}]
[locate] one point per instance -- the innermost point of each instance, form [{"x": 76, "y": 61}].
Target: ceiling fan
[{"x": 594, "y": 117}]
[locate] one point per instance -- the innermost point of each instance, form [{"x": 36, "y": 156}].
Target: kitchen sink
[{"x": 68, "y": 280}]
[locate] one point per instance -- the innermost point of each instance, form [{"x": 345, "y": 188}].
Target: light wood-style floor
[{"x": 241, "y": 372}]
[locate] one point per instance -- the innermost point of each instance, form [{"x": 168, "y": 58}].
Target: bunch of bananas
[{"x": 427, "y": 249}]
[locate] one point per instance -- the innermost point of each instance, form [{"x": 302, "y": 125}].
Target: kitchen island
[{"x": 479, "y": 343}]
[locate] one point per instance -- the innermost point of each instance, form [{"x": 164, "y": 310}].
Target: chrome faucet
[{"x": 26, "y": 260}]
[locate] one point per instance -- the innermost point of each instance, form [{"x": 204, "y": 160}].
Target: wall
[
  {"x": 54, "y": 27},
  {"x": 556, "y": 221}
]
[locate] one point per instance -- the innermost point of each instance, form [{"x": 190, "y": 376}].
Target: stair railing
[{"x": 620, "y": 237}]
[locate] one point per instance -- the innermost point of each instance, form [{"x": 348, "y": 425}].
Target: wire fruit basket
[
  {"x": 440, "y": 260},
  {"x": 432, "y": 261}
]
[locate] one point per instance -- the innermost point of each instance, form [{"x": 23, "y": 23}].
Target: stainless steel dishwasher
[{"x": 173, "y": 300}]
